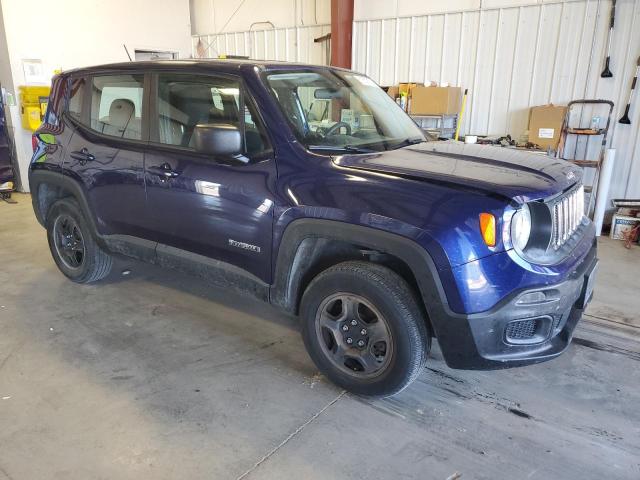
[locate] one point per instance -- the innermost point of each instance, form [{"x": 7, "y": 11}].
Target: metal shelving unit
[
  {"x": 579, "y": 155},
  {"x": 438, "y": 126}
]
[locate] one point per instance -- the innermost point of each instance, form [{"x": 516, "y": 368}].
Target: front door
[{"x": 216, "y": 207}]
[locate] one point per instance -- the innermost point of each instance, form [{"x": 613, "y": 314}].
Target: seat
[
  {"x": 121, "y": 121},
  {"x": 197, "y": 104}
]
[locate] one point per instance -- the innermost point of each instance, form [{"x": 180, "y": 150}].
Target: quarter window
[
  {"x": 116, "y": 105},
  {"x": 185, "y": 101},
  {"x": 76, "y": 94}
]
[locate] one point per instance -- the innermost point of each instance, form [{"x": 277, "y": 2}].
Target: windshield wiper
[
  {"x": 406, "y": 143},
  {"x": 343, "y": 148}
]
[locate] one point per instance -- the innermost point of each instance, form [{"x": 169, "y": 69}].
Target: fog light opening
[{"x": 532, "y": 298}]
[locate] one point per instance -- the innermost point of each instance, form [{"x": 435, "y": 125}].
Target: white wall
[
  {"x": 292, "y": 44},
  {"x": 375, "y": 9},
  {"x": 76, "y": 33},
  {"x": 511, "y": 55},
  {"x": 217, "y": 16},
  {"x": 234, "y": 28}
]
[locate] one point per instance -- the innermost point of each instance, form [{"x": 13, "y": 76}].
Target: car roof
[{"x": 219, "y": 65}]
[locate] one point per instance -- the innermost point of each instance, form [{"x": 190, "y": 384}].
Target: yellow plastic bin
[{"x": 33, "y": 105}]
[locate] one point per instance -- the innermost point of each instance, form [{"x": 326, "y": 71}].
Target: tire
[
  {"x": 72, "y": 244},
  {"x": 373, "y": 303}
]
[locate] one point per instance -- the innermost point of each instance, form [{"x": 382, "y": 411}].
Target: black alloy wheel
[{"x": 68, "y": 241}]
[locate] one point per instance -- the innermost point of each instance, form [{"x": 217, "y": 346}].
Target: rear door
[
  {"x": 106, "y": 151},
  {"x": 218, "y": 207}
]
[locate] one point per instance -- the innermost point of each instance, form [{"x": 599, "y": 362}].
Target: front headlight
[
  {"x": 531, "y": 229},
  {"x": 521, "y": 228}
]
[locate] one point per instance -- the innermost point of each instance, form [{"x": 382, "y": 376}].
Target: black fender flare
[
  {"x": 58, "y": 179},
  {"x": 293, "y": 253},
  {"x": 452, "y": 329}
]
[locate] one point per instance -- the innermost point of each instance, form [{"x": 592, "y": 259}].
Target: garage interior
[{"x": 154, "y": 374}]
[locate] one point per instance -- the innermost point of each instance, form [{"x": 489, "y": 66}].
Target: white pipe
[{"x": 603, "y": 188}]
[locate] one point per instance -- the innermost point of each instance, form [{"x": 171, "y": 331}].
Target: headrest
[{"x": 120, "y": 111}]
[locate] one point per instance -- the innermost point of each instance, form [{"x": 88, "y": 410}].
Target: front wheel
[{"x": 363, "y": 328}]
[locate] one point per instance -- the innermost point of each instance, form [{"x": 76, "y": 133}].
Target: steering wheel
[{"x": 333, "y": 129}]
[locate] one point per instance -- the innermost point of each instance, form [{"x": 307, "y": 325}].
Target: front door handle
[
  {"x": 83, "y": 156},
  {"x": 163, "y": 170}
]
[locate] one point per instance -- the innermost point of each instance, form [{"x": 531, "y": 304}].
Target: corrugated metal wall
[
  {"x": 513, "y": 58},
  {"x": 293, "y": 44}
]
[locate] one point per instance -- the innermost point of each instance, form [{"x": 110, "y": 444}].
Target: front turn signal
[{"x": 488, "y": 228}]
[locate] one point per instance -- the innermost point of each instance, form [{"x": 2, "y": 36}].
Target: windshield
[{"x": 332, "y": 110}]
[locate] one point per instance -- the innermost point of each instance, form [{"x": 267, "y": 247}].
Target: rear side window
[
  {"x": 185, "y": 101},
  {"x": 116, "y": 105}
]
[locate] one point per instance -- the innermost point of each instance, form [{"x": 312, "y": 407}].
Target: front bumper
[
  {"x": 530, "y": 326},
  {"x": 6, "y": 187},
  {"x": 6, "y": 177}
]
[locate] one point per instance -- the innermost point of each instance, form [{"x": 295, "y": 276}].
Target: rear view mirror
[
  {"x": 217, "y": 139},
  {"x": 328, "y": 93}
]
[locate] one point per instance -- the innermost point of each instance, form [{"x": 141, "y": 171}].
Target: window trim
[
  {"x": 84, "y": 123},
  {"x": 244, "y": 96}
]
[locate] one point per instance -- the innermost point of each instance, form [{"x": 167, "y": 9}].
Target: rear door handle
[
  {"x": 163, "y": 170},
  {"x": 83, "y": 156}
]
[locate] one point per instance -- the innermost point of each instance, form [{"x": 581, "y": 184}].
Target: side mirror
[{"x": 217, "y": 139}]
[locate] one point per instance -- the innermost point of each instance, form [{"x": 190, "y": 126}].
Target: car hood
[{"x": 516, "y": 174}]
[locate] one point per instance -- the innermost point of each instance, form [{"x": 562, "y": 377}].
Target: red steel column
[{"x": 341, "y": 27}]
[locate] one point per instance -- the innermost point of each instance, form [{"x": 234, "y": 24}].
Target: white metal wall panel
[
  {"x": 514, "y": 57},
  {"x": 293, "y": 44}
]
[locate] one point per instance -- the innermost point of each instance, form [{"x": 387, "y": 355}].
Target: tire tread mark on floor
[
  {"x": 292, "y": 435},
  {"x": 4, "y": 472},
  {"x": 406, "y": 407},
  {"x": 11, "y": 353},
  {"x": 445, "y": 375},
  {"x": 607, "y": 348},
  {"x": 609, "y": 320}
]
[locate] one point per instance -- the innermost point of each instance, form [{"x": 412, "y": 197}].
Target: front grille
[
  {"x": 567, "y": 212},
  {"x": 521, "y": 330}
]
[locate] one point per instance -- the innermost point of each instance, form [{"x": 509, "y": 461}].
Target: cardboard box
[
  {"x": 545, "y": 124},
  {"x": 435, "y": 100},
  {"x": 406, "y": 88},
  {"x": 622, "y": 224},
  {"x": 393, "y": 92}
]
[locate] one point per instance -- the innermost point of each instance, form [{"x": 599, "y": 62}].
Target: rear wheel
[
  {"x": 364, "y": 329},
  {"x": 72, "y": 245}
]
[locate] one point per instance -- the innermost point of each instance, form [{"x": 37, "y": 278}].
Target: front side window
[
  {"x": 332, "y": 110},
  {"x": 116, "y": 105},
  {"x": 185, "y": 101}
]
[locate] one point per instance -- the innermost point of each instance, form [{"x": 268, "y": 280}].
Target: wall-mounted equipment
[{"x": 33, "y": 105}]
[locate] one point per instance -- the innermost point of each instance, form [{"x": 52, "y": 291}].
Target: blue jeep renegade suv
[{"x": 309, "y": 188}]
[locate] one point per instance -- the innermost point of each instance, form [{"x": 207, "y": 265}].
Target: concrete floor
[{"x": 154, "y": 375}]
